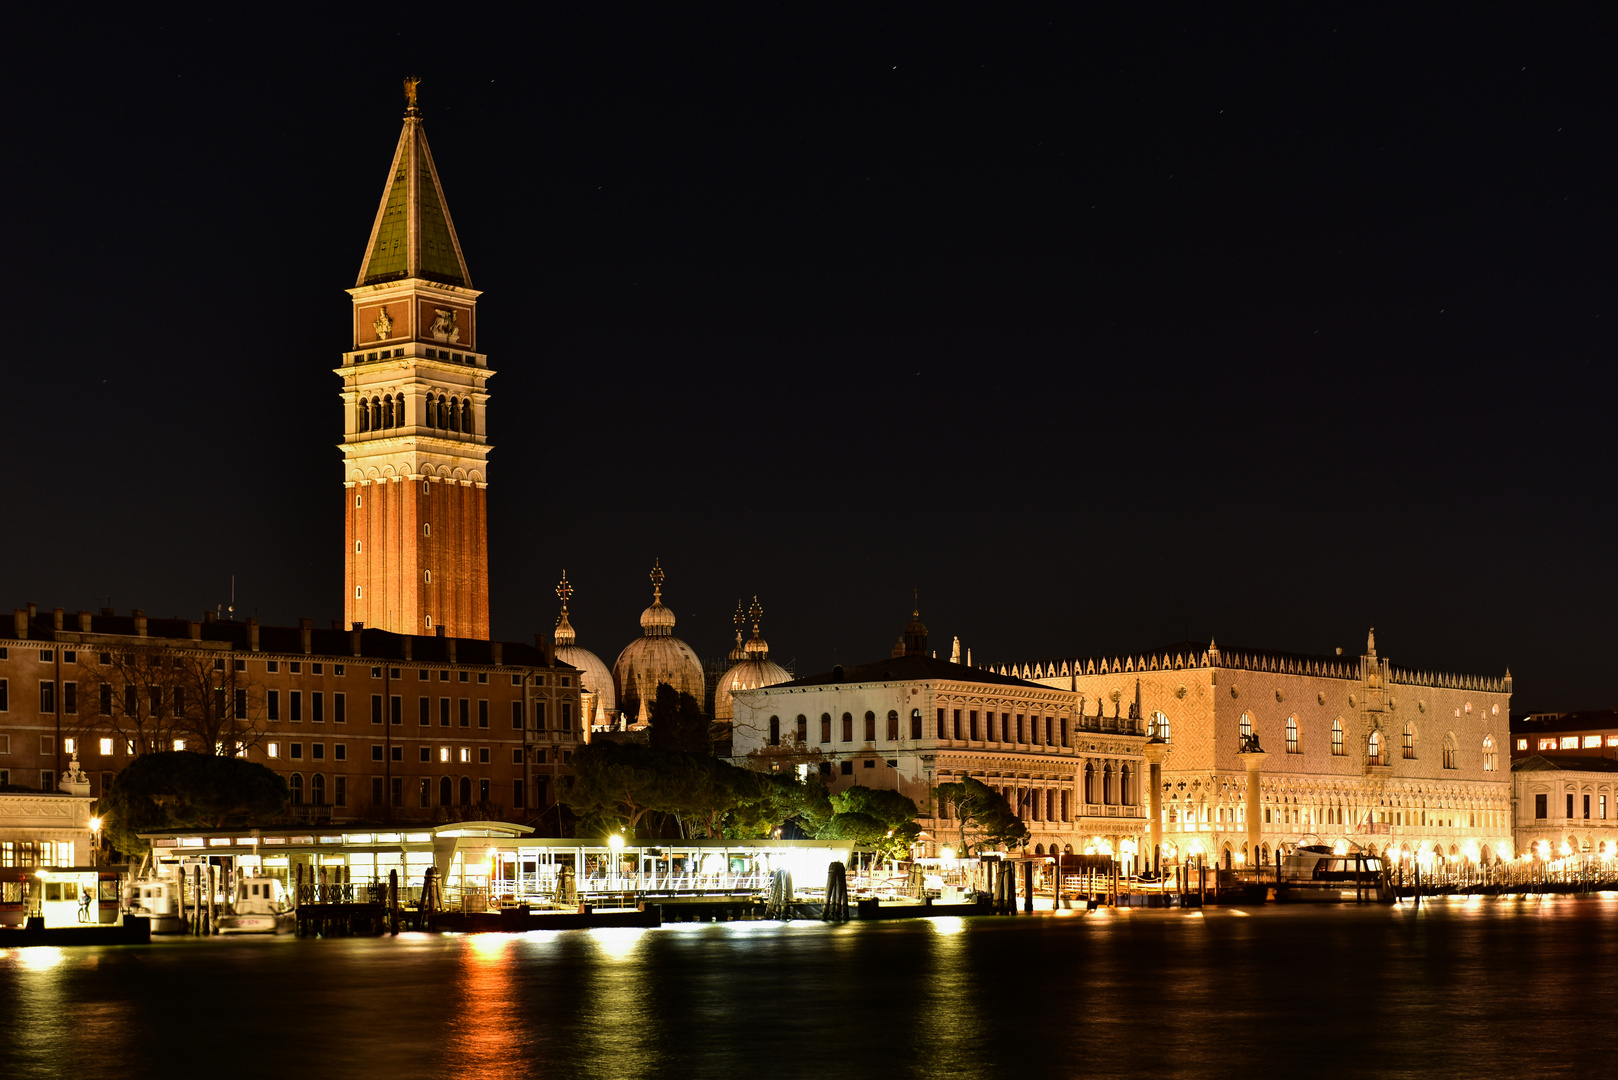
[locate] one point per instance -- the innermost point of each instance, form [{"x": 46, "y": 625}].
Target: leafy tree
[
  {"x": 678, "y": 722},
  {"x": 780, "y": 800},
  {"x": 876, "y": 817},
  {"x": 179, "y": 789},
  {"x": 616, "y": 785},
  {"x": 984, "y": 816}
]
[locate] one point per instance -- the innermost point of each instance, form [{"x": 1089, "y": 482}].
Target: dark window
[
  {"x": 318, "y": 750},
  {"x": 825, "y": 769},
  {"x": 395, "y": 709},
  {"x": 424, "y": 792},
  {"x": 376, "y": 708},
  {"x": 340, "y": 751},
  {"x": 446, "y": 791},
  {"x": 396, "y": 753},
  {"x": 466, "y": 710},
  {"x": 376, "y": 752},
  {"x": 848, "y": 727},
  {"x": 848, "y": 768},
  {"x": 398, "y": 790},
  {"x": 825, "y": 727},
  {"x": 1539, "y": 807},
  {"x": 1064, "y": 737},
  {"x": 955, "y": 724},
  {"x": 317, "y": 706},
  {"x": 241, "y": 704},
  {"x": 376, "y": 791},
  {"x": 539, "y": 716},
  {"x": 516, "y": 717},
  {"x": 893, "y": 726},
  {"x": 294, "y": 706},
  {"x": 516, "y": 794},
  {"x": 803, "y": 728},
  {"x": 339, "y": 706},
  {"x": 1570, "y": 806},
  {"x": 941, "y": 733},
  {"x": 915, "y": 723},
  {"x": 870, "y": 727},
  {"x": 295, "y": 751},
  {"x": 775, "y": 731},
  {"x": 483, "y": 712},
  {"x": 567, "y": 716},
  {"x": 272, "y": 704},
  {"x": 106, "y": 698},
  {"x": 1587, "y": 807},
  {"x": 295, "y": 788},
  {"x": 972, "y": 725},
  {"x": 340, "y": 790},
  {"x": 47, "y": 697},
  {"x": 425, "y": 754},
  {"x": 70, "y": 698},
  {"x": 466, "y": 791},
  {"x": 425, "y": 708},
  {"x": 443, "y": 712}
]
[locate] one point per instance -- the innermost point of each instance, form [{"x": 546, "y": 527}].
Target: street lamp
[
  {"x": 946, "y": 853},
  {"x": 616, "y": 843},
  {"x": 95, "y": 847}
]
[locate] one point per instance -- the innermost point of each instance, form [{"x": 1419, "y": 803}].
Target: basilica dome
[
  {"x": 753, "y": 667},
  {"x": 655, "y": 658},
  {"x": 594, "y": 678}
]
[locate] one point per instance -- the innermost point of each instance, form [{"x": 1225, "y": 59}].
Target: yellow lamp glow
[{"x": 946, "y": 853}]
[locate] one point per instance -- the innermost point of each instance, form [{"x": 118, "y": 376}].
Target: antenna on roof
[{"x": 232, "y": 608}]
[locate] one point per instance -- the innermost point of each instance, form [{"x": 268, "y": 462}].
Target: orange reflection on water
[{"x": 483, "y": 1040}]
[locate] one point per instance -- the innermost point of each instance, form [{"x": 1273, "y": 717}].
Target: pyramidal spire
[{"x": 413, "y": 236}]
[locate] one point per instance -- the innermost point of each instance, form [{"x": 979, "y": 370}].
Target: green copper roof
[{"x": 413, "y": 235}]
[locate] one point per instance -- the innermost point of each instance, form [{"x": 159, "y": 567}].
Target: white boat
[
  {"x": 259, "y": 907},
  {"x": 156, "y": 899},
  {"x": 1316, "y": 872}
]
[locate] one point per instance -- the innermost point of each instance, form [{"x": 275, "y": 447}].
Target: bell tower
[{"x": 415, "y": 442}]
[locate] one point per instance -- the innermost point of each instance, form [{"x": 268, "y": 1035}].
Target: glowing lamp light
[
  {"x": 1104, "y": 848},
  {"x": 1241, "y": 857},
  {"x": 1566, "y": 851},
  {"x": 946, "y": 853},
  {"x": 95, "y": 824},
  {"x": 616, "y": 842},
  {"x": 1340, "y": 848}
]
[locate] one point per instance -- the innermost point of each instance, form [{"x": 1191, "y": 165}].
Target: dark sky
[{"x": 1100, "y": 333}]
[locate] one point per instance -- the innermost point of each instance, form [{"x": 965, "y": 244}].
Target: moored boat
[{"x": 258, "y": 907}]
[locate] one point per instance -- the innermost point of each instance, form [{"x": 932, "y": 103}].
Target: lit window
[
  {"x": 1292, "y": 734},
  {"x": 179, "y": 744},
  {"x": 70, "y": 746},
  {"x": 1570, "y": 742},
  {"x": 1547, "y": 744},
  {"x": 106, "y": 747},
  {"x": 1247, "y": 726},
  {"x": 358, "y": 591},
  {"x": 443, "y": 753},
  {"x": 273, "y": 749},
  {"x": 1337, "y": 737},
  {"x": 466, "y": 754},
  {"x": 1592, "y": 740},
  {"x": 1612, "y": 740},
  {"x": 1522, "y": 744}
]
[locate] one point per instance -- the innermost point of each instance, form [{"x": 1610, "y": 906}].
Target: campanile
[{"x": 415, "y": 442}]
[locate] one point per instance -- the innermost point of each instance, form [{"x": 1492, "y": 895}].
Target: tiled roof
[
  {"x": 1541, "y": 763},
  {"x": 910, "y": 669}
]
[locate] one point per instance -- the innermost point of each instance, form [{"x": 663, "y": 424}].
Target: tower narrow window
[
  {"x": 1337, "y": 738},
  {"x": 443, "y": 420},
  {"x": 357, "y": 547},
  {"x": 387, "y": 411},
  {"x": 365, "y": 417},
  {"x": 466, "y": 416},
  {"x": 1292, "y": 734},
  {"x": 376, "y": 414},
  {"x": 427, "y": 576},
  {"x": 358, "y": 591},
  {"x": 454, "y": 414}
]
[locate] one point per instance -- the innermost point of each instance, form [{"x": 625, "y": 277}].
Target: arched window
[
  {"x": 443, "y": 419},
  {"x": 1449, "y": 751},
  {"x": 387, "y": 411},
  {"x": 466, "y": 415},
  {"x": 1292, "y": 734},
  {"x": 893, "y": 725},
  {"x": 1106, "y": 783},
  {"x": 429, "y": 414},
  {"x": 848, "y": 727},
  {"x": 1090, "y": 782},
  {"x": 1337, "y": 737},
  {"x": 803, "y": 728},
  {"x": 399, "y": 411},
  {"x": 1373, "y": 748},
  {"x": 365, "y": 416},
  {"x": 1159, "y": 727},
  {"x": 1245, "y": 725},
  {"x": 317, "y": 789},
  {"x": 1410, "y": 741},
  {"x": 825, "y": 727},
  {"x": 295, "y": 787},
  {"x": 870, "y": 727},
  {"x": 455, "y": 414},
  {"x": 1488, "y": 753},
  {"x": 775, "y": 731},
  {"x": 915, "y": 723},
  {"x": 466, "y": 791},
  {"x": 376, "y": 414},
  {"x": 1125, "y": 796},
  {"x": 446, "y": 791}
]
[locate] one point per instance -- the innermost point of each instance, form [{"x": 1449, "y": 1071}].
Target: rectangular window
[
  {"x": 339, "y": 707},
  {"x": 825, "y": 728},
  {"x": 1570, "y": 742},
  {"x": 426, "y": 754},
  {"x": 340, "y": 791},
  {"x": 272, "y": 749},
  {"x": 539, "y": 716},
  {"x": 893, "y": 727},
  {"x": 516, "y": 755},
  {"x": 1064, "y": 738},
  {"x": 942, "y": 733},
  {"x": 848, "y": 727},
  {"x": 567, "y": 716},
  {"x": 1587, "y": 807},
  {"x": 1570, "y": 805},
  {"x": 1603, "y": 808},
  {"x": 396, "y": 753},
  {"x": 70, "y": 698},
  {"x": 376, "y": 751},
  {"x": 317, "y": 707},
  {"x": 47, "y": 696},
  {"x": 915, "y": 723},
  {"x": 466, "y": 712},
  {"x": 483, "y": 755},
  {"x": 422, "y": 675},
  {"x": 483, "y": 791},
  {"x": 516, "y": 794},
  {"x": 463, "y": 675},
  {"x": 955, "y": 724},
  {"x": 516, "y": 716},
  {"x": 424, "y": 792},
  {"x": 376, "y": 708},
  {"x": 425, "y": 710},
  {"x": 1005, "y": 727},
  {"x": 1019, "y": 727},
  {"x": 318, "y": 751},
  {"x": 395, "y": 710},
  {"x": 376, "y": 791},
  {"x": 295, "y": 751},
  {"x": 483, "y": 712},
  {"x": 972, "y": 725},
  {"x": 272, "y": 666},
  {"x": 295, "y": 706},
  {"x": 848, "y": 768},
  {"x": 443, "y": 712},
  {"x": 5, "y": 744},
  {"x": 105, "y": 695},
  {"x": 272, "y": 704},
  {"x": 340, "y": 752}
]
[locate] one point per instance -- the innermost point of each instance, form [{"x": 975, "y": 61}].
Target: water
[{"x": 1469, "y": 987}]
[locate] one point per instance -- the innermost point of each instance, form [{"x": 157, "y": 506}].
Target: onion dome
[
  {"x": 594, "y": 678},
  {"x": 657, "y": 657},
  {"x": 756, "y": 669}
]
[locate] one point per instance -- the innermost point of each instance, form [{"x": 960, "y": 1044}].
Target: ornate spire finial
[
  {"x": 915, "y": 612},
  {"x": 738, "y": 619},
  {"x": 1370, "y": 642},
  {"x": 657, "y": 579},
  {"x": 410, "y": 84},
  {"x": 564, "y": 590},
  {"x": 754, "y": 614}
]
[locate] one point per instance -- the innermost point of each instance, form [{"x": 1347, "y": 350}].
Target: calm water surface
[{"x": 1462, "y": 988}]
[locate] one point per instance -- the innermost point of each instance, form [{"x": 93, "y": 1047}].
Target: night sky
[{"x": 1100, "y": 334}]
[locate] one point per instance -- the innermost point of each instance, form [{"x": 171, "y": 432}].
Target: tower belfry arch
[{"x": 415, "y": 437}]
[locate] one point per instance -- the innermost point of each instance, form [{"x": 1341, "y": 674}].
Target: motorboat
[
  {"x": 1317, "y": 872},
  {"x": 259, "y": 906},
  {"x": 157, "y": 899}
]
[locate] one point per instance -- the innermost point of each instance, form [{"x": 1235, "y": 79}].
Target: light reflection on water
[{"x": 1451, "y": 990}]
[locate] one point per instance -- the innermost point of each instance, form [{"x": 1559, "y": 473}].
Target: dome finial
[
  {"x": 757, "y": 647},
  {"x": 915, "y": 612},
  {"x": 410, "y": 84},
  {"x": 564, "y": 630},
  {"x": 564, "y": 590},
  {"x": 657, "y": 579},
  {"x": 754, "y": 614}
]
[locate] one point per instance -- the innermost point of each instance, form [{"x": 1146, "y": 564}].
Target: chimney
[
  {"x": 496, "y": 652},
  {"x": 19, "y": 619},
  {"x": 58, "y": 613},
  {"x": 33, "y": 610},
  {"x": 84, "y": 622},
  {"x": 547, "y": 652},
  {"x": 306, "y": 631},
  {"x": 449, "y": 644},
  {"x": 252, "y": 635},
  {"x": 109, "y": 612},
  {"x": 209, "y": 616},
  {"x": 354, "y": 637},
  {"x": 407, "y": 643},
  {"x": 140, "y": 623},
  {"x": 196, "y": 630}
]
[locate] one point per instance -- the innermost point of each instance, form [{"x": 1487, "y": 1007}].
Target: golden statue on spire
[{"x": 410, "y": 84}]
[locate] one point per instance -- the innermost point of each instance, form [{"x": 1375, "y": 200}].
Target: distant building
[
  {"x": 911, "y": 722},
  {"x": 364, "y": 724},
  {"x": 1357, "y": 751},
  {"x": 654, "y": 659},
  {"x": 1566, "y": 805},
  {"x": 750, "y": 666},
  {"x": 1574, "y": 734}
]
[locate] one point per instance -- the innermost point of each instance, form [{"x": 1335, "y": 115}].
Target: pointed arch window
[
  {"x": 1160, "y": 727},
  {"x": 1292, "y": 735},
  {"x": 1410, "y": 742},
  {"x": 1337, "y": 737},
  {"x": 1373, "y": 748},
  {"x": 1449, "y": 751},
  {"x": 1488, "y": 753}
]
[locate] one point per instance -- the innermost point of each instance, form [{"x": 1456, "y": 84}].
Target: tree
[
  {"x": 678, "y": 722},
  {"x": 180, "y": 789},
  {"x": 616, "y": 785},
  {"x": 984, "y": 816},
  {"x": 876, "y": 817},
  {"x": 154, "y": 697}
]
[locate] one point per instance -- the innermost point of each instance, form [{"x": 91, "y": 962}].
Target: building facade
[
  {"x": 363, "y": 724},
  {"x": 1566, "y": 805},
  {"x": 911, "y": 722},
  {"x": 1571, "y": 734},
  {"x": 415, "y": 437},
  {"x": 1348, "y": 750}
]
